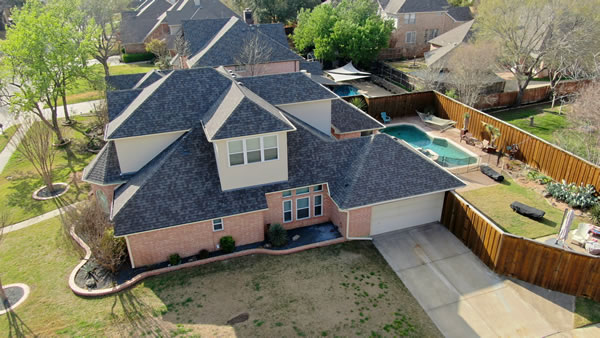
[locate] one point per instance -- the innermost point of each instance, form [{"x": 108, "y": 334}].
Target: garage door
[{"x": 406, "y": 213}]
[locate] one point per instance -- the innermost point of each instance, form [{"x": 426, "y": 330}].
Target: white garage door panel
[{"x": 406, "y": 213}]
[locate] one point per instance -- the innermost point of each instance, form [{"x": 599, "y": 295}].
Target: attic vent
[{"x": 240, "y": 84}]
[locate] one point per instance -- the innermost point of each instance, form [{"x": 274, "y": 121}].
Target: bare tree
[
  {"x": 92, "y": 223},
  {"x": 430, "y": 78},
  {"x": 34, "y": 141},
  {"x": 471, "y": 70},
  {"x": 254, "y": 55},
  {"x": 182, "y": 48}
]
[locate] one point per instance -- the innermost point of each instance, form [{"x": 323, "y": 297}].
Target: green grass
[
  {"x": 495, "y": 202},
  {"x": 587, "y": 312},
  {"x": 408, "y": 65},
  {"x": 19, "y": 179},
  {"x": 546, "y": 120},
  {"x": 343, "y": 289},
  {"x": 6, "y": 135}
]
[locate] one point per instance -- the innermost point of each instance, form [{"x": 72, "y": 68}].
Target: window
[
  {"x": 302, "y": 191},
  {"x": 252, "y": 150},
  {"x": 287, "y": 193},
  {"x": 318, "y": 187},
  {"x": 287, "y": 211},
  {"x": 411, "y": 37},
  {"x": 318, "y": 205},
  {"x": 217, "y": 224},
  {"x": 410, "y": 18},
  {"x": 430, "y": 34},
  {"x": 302, "y": 208},
  {"x": 103, "y": 201}
]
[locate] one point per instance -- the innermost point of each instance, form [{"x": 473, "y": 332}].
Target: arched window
[{"x": 102, "y": 200}]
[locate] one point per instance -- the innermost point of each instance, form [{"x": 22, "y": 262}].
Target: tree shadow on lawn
[
  {"x": 140, "y": 318},
  {"x": 16, "y": 326},
  {"x": 21, "y": 196}
]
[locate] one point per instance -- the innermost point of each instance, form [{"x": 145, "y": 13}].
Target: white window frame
[
  {"x": 319, "y": 205},
  {"x": 414, "y": 37},
  {"x": 221, "y": 222},
  {"x": 308, "y": 207},
  {"x": 245, "y": 150},
  {"x": 410, "y": 18},
  {"x": 291, "y": 211},
  {"x": 283, "y": 194},
  {"x": 319, "y": 189},
  {"x": 302, "y": 193}
]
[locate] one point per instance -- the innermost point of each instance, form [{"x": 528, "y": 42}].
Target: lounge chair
[
  {"x": 433, "y": 120},
  {"x": 385, "y": 117},
  {"x": 581, "y": 235}
]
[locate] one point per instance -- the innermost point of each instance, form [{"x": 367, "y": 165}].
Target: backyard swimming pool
[
  {"x": 345, "y": 90},
  {"x": 449, "y": 154}
]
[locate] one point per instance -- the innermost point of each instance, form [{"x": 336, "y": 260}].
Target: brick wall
[
  {"x": 346, "y": 135},
  {"x": 275, "y": 212},
  {"x": 360, "y": 222},
  {"x": 269, "y": 68},
  {"x": 161, "y": 32},
  {"x": 186, "y": 240},
  {"x": 135, "y": 48},
  {"x": 108, "y": 190}
]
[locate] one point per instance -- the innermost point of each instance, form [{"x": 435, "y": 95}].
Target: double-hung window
[
  {"x": 287, "y": 211},
  {"x": 217, "y": 224},
  {"x": 302, "y": 208},
  {"x": 318, "y": 206},
  {"x": 318, "y": 187},
  {"x": 410, "y": 18},
  {"x": 411, "y": 37},
  {"x": 252, "y": 150},
  {"x": 302, "y": 191}
]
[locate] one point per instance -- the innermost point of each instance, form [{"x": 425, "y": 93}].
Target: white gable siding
[
  {"x": 316, "y": 113},
  {"x": 135, "y": 152}
]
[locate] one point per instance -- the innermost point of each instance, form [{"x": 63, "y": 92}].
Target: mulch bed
[{"x": 14, "y": 294}]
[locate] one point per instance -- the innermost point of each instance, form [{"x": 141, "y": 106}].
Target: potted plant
[{"x": 466, "y": 118}]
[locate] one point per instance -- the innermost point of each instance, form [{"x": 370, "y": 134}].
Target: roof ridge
[{"x": 230, "y": 23}]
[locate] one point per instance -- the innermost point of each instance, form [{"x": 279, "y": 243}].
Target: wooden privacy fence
[
  {"x": 548, "y": 158},
  {"x": 400, "y": 105},
  {"x": 533, "y": 262}
]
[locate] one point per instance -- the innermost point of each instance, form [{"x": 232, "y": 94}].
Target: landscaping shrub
[
  {"x": 174, "y": 259},
  {"x": 576, "y": 196},
  {"x": 539, "y": 177},
  {"x": 595, "y": 211},
  {"x": 359, "y": 103},
  {"x": 227, "y": 244},
  {"x": 277, "y": 235},
  {"x": 203, "y": 254},
  {"x": 137, "y": 57}
]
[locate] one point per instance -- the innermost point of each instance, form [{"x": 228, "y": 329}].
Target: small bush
[
  {"x": 595, "y": 211},
  {"x": 227, "y": 244},
  {"x": 576, "y": 196},
  {"x": 359, "y": 103},
  {"x": 539, "y": 177},
  {"x": 174, "y": 259},
  {"x": 203, "y": 254},
  {"x": 277, "y": 235},
  {"x": 137, "y": 57}
]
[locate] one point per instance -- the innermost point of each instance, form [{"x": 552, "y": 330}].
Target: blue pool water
[
  {"x": 345, "y": 90},
  {"x": 449, "y": 154}
]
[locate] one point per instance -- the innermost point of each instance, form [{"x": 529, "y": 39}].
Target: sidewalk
[{"x": 38, "y": 219}]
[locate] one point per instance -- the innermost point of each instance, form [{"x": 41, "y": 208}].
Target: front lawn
[
  {"x": 6, "y": 135},
  {"x": 495, "y": 202},
  {"x": 340, "y": 290},
  {"x": 19, "y": 179},
  {"x": 546, "y": 119},
  {"x": 587, "y": 312}
]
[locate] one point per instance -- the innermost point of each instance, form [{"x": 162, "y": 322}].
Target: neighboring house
[
  {"x": 247, "y": 50},
  {"x": 418, "y": 21},
  {"x": 194, "y": 155},
  {"x": 161, "y": 19}
]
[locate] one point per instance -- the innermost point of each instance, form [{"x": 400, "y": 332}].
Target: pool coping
[{"x": 447, "y": 139}]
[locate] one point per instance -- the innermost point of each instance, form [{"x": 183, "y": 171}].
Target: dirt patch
[{"x": 343, "y": 290}]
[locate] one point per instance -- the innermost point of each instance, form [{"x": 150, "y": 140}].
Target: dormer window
[{"x": 252, "y": 150}]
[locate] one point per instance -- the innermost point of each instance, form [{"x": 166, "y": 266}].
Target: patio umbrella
[{"x": 566, "y": 225}]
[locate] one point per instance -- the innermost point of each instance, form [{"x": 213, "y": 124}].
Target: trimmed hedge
[
  {"x": 227, "y": 244},
  {"x": 127, "y": 58}
]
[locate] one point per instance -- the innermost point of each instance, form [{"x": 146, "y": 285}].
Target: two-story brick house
[
  {"x": 416, "y": 22},
  {"x": 194, "y": 155}
]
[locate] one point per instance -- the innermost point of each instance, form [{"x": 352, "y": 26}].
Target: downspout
[
  {"x": 348, "y": 230},
  {"x": 129, "y": 252}
]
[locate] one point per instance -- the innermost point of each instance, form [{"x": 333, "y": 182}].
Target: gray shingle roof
[
  {"x": 346, "y": 118},
  {"x": 104, "y": 168},
  {"x": 460, "y": 13},
  {"x": 226, "y": 47},
  {"x": 413, "y": 6},
  {"x": 275, "y": 31},
  {"x": 135, "y": 25},
  {"x": 120, "y": 82},
  {"x": 118, "y": 100},
  {"x": 199, "y": 32},
  {"x": 187, "y": 10},
  {"x": 287, "y": 88},
  {"x": 455, "y": 36},
  {"x": 313, "y": 67},
  {"x": 182, "y": 184}
]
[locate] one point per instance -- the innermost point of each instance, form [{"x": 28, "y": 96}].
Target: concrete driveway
[{"x": 462, "y": 296}]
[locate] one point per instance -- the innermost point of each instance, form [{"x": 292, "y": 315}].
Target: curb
[
  {"x": 104, "y": 292},
  {"x": 26, "y": 291}
]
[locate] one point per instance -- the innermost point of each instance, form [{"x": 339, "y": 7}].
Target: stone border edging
[
  {"x": 38, "y": 198},
  {"x": 104, "y": 292},
  {"x": 26, "y": 291}
]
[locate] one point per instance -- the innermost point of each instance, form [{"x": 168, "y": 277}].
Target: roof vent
[
  {"x": 248, "y": 18},
  {"x": 197, "y": 2}
]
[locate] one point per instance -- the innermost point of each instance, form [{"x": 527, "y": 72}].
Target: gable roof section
[
  {"x": 242, "y": 113},
  {"x": 136, "y": 25},
  {"x": 460, "y": 13},
  {"x": 118, "y": 100},
  {"x": 275, "y": 31},
  {"x": 177, "y": 101},
  {"x": 182, "y": 184},
  {"x": 455, "y": 36},
  {"x": 200, "y": 32},
  {"x": 187, "y": 10},
  {"x": 120, "y": 82},
  {"x": 287, "y": 88},
  {"x": 413, "y": 6},
  {"x": 104, "y": 168},
  {"x": 226, "y": 46},
  {"x": 346, "y": 118}
]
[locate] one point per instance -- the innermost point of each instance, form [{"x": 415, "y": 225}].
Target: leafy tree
[
  {"x": 267, "y": 11},
  {"x": 103, "y": 15},
  {"x": 352, "y": 30},
  {"x": 529, "y": 30},
  {"x": 161, "y": 51},
  {"x": 44, "y": 52},
  {"x": 461, "y": 3}
]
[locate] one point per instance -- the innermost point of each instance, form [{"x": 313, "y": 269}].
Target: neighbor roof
[
  {"x": 448, "y": 42},
  {"x": 104, "y": 168},
  {"x": 187, "y": 10},
  {"x": 460, "y": 13},
  {"x": 346, "y": 118},
  {"x": 182, "y": 186},
  {"x": 136, "y": 25},
  {"x": 287, "y": 88},
  {"x": 413, "y": 6}
]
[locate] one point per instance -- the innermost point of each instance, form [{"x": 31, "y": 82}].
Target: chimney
[{"x": 248, "y": 16}]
